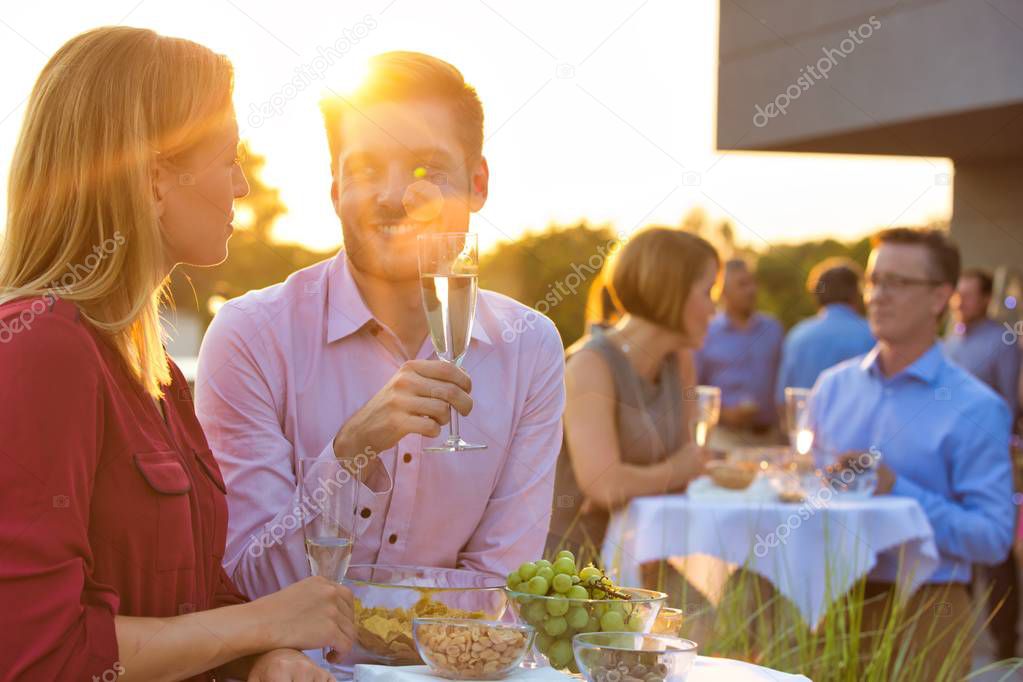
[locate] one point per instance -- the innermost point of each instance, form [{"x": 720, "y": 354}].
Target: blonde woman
[
  {"x": 626, "y": 431},
  {"x": 112, "y": 509}
]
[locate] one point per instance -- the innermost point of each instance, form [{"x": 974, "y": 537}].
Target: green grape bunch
[{"x": 560, "y": 600}]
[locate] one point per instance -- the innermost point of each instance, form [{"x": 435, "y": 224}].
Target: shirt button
[
  {"x": 407, "y": 457},
  {"x": 393, "y": 539},
  {"x": 366, "y": 512}
]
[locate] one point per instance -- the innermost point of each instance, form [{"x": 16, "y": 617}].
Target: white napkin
[{"x": 420, "y": 673}]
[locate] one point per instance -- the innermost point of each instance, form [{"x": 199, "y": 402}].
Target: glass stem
[{"x": 453, "y": 425}]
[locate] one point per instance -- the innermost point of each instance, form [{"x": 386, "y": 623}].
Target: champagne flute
[
  {"x": 329, "y": 498},
  {"x": 797, "y": 419},
  {"x": 449, "y": 273},
  {"x": 708, "y": 411}
]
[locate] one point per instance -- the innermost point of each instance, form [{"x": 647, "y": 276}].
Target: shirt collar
[
  {"x": 839, "y": 309},
  {"x": 754, "y": 322},
  {"x": 925, "y": 368},
  {"x": 347, "y": 311}
]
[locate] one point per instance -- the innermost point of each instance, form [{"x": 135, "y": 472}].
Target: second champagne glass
[
  {"x": 449, "y": 274},
  {"x": 329, "y": 498},
  {"x": 708, "y": 411}
]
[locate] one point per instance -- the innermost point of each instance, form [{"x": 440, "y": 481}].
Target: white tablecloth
[
  {"x": 810, "y": 552},
  {"x": 705, "y": 670}
]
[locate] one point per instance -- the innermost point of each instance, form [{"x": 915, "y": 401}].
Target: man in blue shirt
[
  {"x": 838, "y": 331},
  {"x": 740, "y": 355},
  {"x": 943, "y": 436},
  {"x": 977, "y": 344}
]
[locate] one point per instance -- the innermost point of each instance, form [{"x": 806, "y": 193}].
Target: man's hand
[
  {"x": 858, "y": 461},
  {"x": 415, "y": 400}
]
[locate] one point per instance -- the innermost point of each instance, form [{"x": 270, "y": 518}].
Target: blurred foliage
[
  {"x": 551, "y": 270},
  {"x": 255, "y": 260}
]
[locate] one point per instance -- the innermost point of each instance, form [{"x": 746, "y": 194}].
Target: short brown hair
[
  {"x": 652, "y": 275},
  {"x": 835, "y": 280},
  {"x": 943, "y": 252},
  {"x": 396, "y": 76},
  {"x": 983, "y": 277}
]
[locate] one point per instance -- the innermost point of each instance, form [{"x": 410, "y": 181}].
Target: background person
[
  {"x": 740, "y": 356},
  {"x": 838, "y": 331},
  {"x": 942, "y": 434},
  {"x": 626, "y": 426}
]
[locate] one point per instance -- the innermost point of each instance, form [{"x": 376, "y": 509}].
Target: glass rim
[
  {"x": 468, "y": 622},
  {"x": 415, "y": 569},
  {"x": 682, "y": 645},
  {"x": 655, "y": 596}
]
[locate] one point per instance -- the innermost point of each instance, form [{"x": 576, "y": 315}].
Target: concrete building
[{"x": 937, "y": 78}]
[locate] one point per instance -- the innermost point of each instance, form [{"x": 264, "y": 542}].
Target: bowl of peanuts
[{"x": 468, "y": 649}]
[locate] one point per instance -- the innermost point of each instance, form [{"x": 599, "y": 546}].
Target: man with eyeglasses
[{"x": 942, "y": 436}]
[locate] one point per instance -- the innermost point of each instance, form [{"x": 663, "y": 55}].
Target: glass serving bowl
[
  {"x": 618, "y": 656},
  {"x": 466, "y": 649},
  {"x": 557, "y": 619},
  {"x": 388, "y": 598}
]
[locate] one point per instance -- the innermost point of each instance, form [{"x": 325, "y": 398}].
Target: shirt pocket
[
  {"x": 218, "y": 499},
  {"x": 167, "y": 487}
]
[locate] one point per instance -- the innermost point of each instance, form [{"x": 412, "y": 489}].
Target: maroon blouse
[{"x": 105, "y": 508}]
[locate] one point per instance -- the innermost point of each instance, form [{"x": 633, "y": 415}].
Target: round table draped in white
[{"x": 811, "y": 552}]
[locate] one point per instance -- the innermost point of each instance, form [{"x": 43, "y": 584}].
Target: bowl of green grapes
[{"x": 560, "y": 601}]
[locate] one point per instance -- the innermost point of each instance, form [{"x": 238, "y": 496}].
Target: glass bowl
[
  {"x": 557, "y": 619},
  {"x": 618, "y": 656},
  {"x": 387, "y": 598},
  {"x": 466, "y": 649}
]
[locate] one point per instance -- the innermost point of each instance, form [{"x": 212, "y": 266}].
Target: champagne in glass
[
  {"x": 329, "y": 498},
  {"x": 708, "y": 411},
  {"x": 797, "y": 419},
  {"x": 449, "y": 273}
]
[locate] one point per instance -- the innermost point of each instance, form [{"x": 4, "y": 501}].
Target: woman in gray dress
[{"x": 626, "y": 431}]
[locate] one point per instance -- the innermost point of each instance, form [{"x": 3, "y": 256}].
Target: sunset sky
[{"x": 598, "y": 111}]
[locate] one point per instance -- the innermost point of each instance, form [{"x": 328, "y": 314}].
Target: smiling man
[
  {"x": 336, "y": 362},
  {"x": 943, "y": 436}
]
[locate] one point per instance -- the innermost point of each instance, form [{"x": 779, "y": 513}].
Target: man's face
[
  {"x": 739, "y": 290},
  {"x": 402, "y": 172},
  {"x": 969, "y": 303},
  {"x": 902, "y": 304}
]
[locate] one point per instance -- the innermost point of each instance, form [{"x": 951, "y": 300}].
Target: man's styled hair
[
  {"x": 983, "y": 277},
  {"x": 943, "y": 253},
  {"x": 835, "y": 280},
  {"x": 402, "y": 76}
]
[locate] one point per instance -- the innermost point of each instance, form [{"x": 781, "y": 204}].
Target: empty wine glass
[{"x": 449, "y": 273}]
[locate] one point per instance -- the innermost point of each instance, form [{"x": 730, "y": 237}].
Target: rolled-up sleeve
[
  {"x": 515, "y": 523},
  {"x": 236, "y": 397},
  {"x": 57, "y": 622}
]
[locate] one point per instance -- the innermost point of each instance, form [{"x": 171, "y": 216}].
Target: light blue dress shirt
[
  {"x": 944, "y": 434},
  {"x": 835, "y": 334},
  {"x": 988, "y": 353},
  {"x": 743, "y": 363}
]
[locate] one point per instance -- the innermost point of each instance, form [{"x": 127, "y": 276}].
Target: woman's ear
[{"x": 160, "y": 179}]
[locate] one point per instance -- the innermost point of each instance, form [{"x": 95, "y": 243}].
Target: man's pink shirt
[{"x": 282, "y": 368}]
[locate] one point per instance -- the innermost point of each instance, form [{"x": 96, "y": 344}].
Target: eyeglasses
[{"x": 897, "y": 283}]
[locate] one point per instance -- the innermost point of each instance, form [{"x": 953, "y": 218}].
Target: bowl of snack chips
[
  {"x": 389, "y": 598},
  {"x": 461, "y": 649}
]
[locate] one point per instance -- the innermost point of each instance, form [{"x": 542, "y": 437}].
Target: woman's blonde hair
[
  {"x": 652, "y": 274},
  {"x": 81, "y": 220}
]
